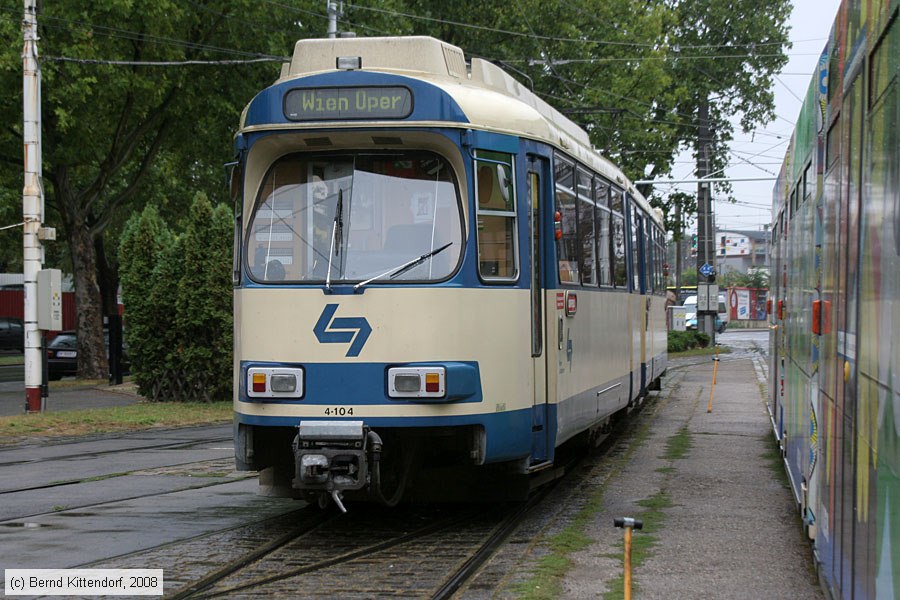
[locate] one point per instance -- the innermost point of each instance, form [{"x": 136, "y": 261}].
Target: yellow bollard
[
  {"x": 628, "y": 524},
  {"x": 713, "y": 386}
]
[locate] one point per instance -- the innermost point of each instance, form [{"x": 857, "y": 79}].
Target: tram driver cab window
[{"x": 496, "y": 209}]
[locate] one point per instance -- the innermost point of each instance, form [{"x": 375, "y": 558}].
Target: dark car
[
  {"x": 62, "y": 355},
  {"x": 12, "y": 334}
]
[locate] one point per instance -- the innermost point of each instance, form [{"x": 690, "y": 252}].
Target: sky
[{"x": 810, "y": 25}]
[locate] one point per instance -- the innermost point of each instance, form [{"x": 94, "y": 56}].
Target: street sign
[{"x": 706, "y": 270}]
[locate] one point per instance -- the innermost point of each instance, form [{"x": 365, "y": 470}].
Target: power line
[
  {"x": 572, "y": 40},
  {"x": 160, "y": 63}
]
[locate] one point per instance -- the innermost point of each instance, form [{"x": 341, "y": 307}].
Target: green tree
[
  {"x": 167, "y": 344},
  {"x": 105, "y": 126},
  {"x": 146, "y": 237},
  {"x": 632, "y": 73},
  {"x": 203, "y": 309}
]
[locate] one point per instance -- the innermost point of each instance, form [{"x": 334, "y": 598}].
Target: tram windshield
[{"x": 356, "y": 217}]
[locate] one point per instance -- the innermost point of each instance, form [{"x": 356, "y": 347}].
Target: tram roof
[{"x": 490, "y": 97}]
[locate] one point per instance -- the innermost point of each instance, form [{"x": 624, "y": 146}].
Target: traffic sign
[{"x": 706, "y": 270}]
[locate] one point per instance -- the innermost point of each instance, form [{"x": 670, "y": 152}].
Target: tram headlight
[
  {"x": 417, "y": 382},
  {"x": 275, "y": 382},
  {"x": 284, "y": 382},
  {"x": 407, "y": 382}
]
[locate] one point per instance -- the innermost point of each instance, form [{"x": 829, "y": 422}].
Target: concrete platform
[{"x": 722, "y": 522}]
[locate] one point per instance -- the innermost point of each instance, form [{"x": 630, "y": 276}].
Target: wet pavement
[{"x": 73, "y": 503}]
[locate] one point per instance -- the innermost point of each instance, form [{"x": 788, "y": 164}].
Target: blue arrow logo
[{"x": 342, "y": 330}]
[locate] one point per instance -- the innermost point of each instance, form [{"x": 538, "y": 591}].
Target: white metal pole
[
  {"x": 32, "y": 206},
  {"x": 331, "y": 8}
]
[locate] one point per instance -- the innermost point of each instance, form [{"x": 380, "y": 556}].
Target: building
[{"x": 741, "y": 250}]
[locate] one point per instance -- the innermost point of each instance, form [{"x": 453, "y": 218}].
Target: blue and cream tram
[{"x": 434, "y": 272}]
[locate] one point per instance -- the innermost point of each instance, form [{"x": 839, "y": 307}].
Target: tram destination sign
[{"x": 337, "y": 103}]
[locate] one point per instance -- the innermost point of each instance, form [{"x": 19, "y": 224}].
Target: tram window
[
  {"x": 615, "y": 201},
  {"x": 833, "y": 144},
  {"x": 586, "y": 233},
  {"x": 620, "y": 265},
  {"x": 567, "y": 245},
  {"x": 808, "y": 184},
  {"x": 496, "y": 203},
  {"x": 660, "y": 261},
  {"x": 620, "y": 269},
  {"x": 882, "y": 64},
  {"x": 602, "y": 231},
  {"x": 649, "y": 263},
  {"x": 392, "y": 207},
  {"x": 635, "y": 240}
]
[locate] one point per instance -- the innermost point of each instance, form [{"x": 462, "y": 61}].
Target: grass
[
  {"x": 14, "y": 359},
  {"x": 143, "y": 415},
  {"x": 678, "y": 445},
  {"x": 774, "y": 461},
  {"x": 546, "y": 581},
  {"x": 700, "y": 352}
]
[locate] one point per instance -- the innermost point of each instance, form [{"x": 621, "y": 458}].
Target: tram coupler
[{"x": 333, "y": 456}]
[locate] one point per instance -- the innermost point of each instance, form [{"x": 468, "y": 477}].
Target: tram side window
[
  {"x": 635, "y": 240},
  {"x": 496, "y": 200},
  {"x": 808, "y": 182},
  {"x": 649, "y": 261},
  {"x": 661, "y": 260},
  {"x": 604, "y": 229},
  {"x": 566, "y": 221},
  {"x": 586, "y": 233},
  {"x": 620, "y": 268}
]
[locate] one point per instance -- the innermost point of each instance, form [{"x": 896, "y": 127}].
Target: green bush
[
  {"x": 178, "y": 304},
  {"x": 679, "y": 341},
  {"x": 145, "y": 240}
]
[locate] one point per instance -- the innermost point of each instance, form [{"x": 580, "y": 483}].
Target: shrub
[
  {"x": 178, "y": 303},
  {"x": 679, "y": 341},
  {"x": 144, "y": 241}
]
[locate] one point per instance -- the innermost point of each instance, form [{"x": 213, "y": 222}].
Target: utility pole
[
  {"x": 32, "y": 207},
  {"x": 679, "y": 230},
  {"x": 334, "y": 10},
  {"x": 706, "y": 260}
]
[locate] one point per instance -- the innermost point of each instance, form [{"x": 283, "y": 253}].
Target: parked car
[
  {"x": 12, "y": 334},
  {"x": 62, "y": 355},
  {"x": 690, "y": 316}
]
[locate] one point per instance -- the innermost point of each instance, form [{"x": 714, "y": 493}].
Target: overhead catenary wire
[{"x": 565, "y": 39}]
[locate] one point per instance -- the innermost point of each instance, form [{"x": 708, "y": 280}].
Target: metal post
[
  {"x": 705, "y": 230},
  {"x": 713, "y": 386},
  {"x": 331, "y": 7},
  {"x": 32, "y": 206}
]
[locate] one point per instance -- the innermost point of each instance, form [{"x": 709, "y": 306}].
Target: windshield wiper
[
  {"x": 397, "y": 271},
  {"x": 337, "y": 233}
]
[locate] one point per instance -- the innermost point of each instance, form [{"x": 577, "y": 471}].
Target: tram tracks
[{"x": 418, "y": 551}]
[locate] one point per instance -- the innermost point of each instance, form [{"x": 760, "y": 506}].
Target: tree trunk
[
  {"x": 108, "y": 279},
  {"x": 92, "y": 361}
]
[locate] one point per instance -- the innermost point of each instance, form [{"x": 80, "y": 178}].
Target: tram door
[{"x": 537, "y": 178}]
